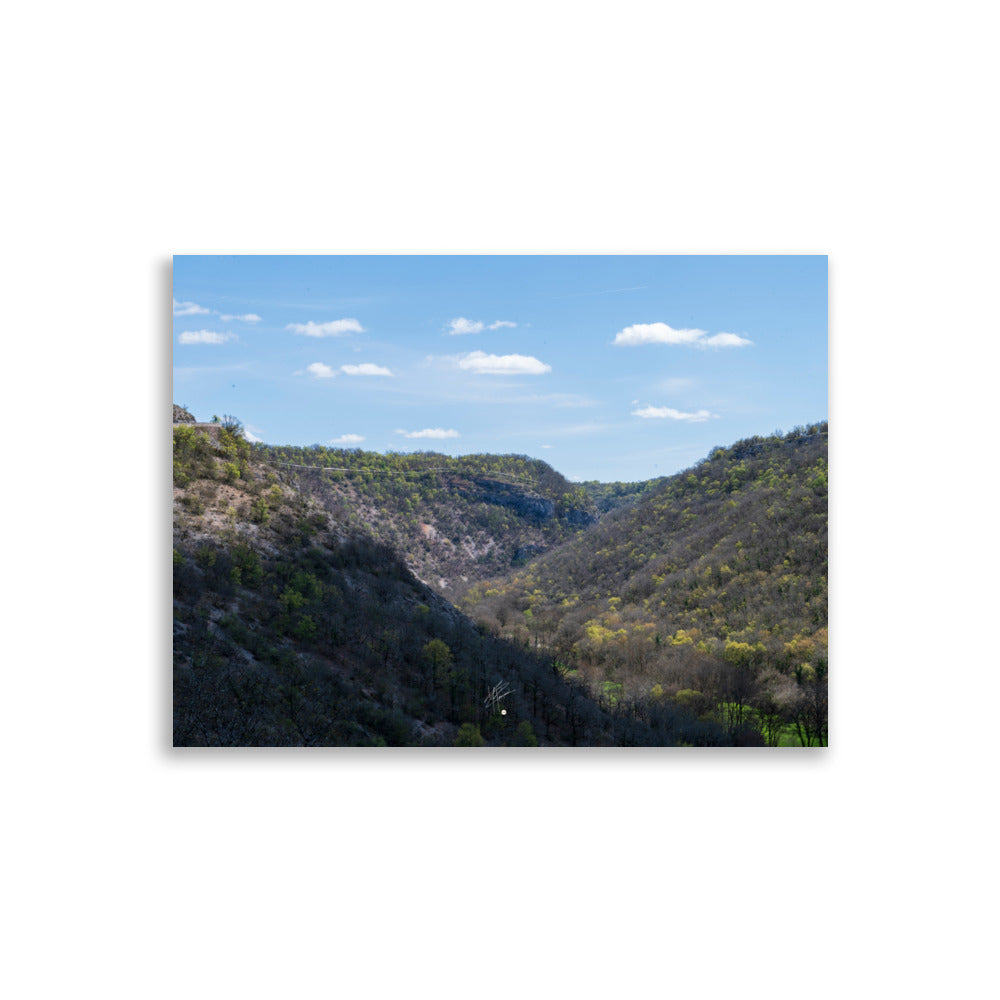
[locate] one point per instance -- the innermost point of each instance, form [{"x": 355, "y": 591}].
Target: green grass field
[{"x": 789, "y": 735}]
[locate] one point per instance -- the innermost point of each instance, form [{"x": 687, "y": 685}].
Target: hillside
[
  {"x": 707, "y": 589},
  {"x": 608, "y": 497},
  {"x": 293, "y": 626},
  {"x": 452, "y": 520}
]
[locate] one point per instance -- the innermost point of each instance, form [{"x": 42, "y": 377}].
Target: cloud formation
[
  {"x": 364, "y": 369},
  {"x": 661, "y": 333},
  {"x": 189, "y": 309},
  {"x": 430, "y": 432},
  {"x": 318, "y": 370},
  {"x": 205, "y": 337},
  {"x": 502, "y": 364},
  {"x": 461, "y": 325},
  {"x": 193, "y": 309},
  {"x": 725, "y": 340},
  {"x": 668, "y": 413},
  {"x": 334, "y": 328},
  {"x": 347, "y": 439}
]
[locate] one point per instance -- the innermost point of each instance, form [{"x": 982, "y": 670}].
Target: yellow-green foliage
[
  {"x": 469, "y": 736},
  {"x": 192, "y": 455},
  {"x": 727, "y": 560}
]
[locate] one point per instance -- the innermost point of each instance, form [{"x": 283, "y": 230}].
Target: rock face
[
  {"x": 526, "y": 503},
  {"x": 181, "y": 416}
]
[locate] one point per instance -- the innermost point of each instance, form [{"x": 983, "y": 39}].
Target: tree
[
  {"x": 525, "y": 735},
  {"x": 469, "y": 736},
  {"x": 809, "y": 712},
  {"x": 438, "y": 657},
  {"x": 440, "y": 673},
  {"x": 774, "y": 695}
]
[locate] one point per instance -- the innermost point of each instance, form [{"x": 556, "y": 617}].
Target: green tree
[
  {"x": 260, "y": 513},
  {"x": 525, "y": 735},
  {"x": 438, "y": 657},
  {"x": 469, "y": 736}
]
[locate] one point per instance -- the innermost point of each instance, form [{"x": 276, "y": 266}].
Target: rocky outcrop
[
  {"x": 524, "y": 502},
  {"x": 181, "y": 416}
]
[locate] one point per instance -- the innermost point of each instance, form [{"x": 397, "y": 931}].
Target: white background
[{"x": 133, "y": 132}]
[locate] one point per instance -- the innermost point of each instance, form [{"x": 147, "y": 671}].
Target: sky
[{"x": 614, "y": 368}]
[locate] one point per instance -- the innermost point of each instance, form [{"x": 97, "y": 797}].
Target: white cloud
[
  {"x": 347, "y": 439},
  {"x": 725, "y": 340},
  {"x": 245, "y": 318},
  {"x": 364, "y": 369},
  {"x": 334, "y": 328},
  {"x": 205, "y": 337},
  {"x": 463, "y": 325},
  {"x": 189, "y": 309},
  {"x": 668, "y": 413},
  {"x": 319, "y": 370},
  {"x": 502, "y": 364},
  {"x": 430, "y": 432},
  {"x": 661, "y": 333},
  {"x": 251, "y": 437},
  {"x": 657, "y": 333}
]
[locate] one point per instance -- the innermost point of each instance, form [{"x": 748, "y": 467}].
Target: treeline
[
  {"x": 710, "y": 591},
  {"x": 613, "y": 496}
]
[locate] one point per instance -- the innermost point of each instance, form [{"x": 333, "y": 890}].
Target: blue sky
[{"x": 608, "y": 367}]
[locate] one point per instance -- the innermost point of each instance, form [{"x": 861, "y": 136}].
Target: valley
[{"x": 341, "y": 597}]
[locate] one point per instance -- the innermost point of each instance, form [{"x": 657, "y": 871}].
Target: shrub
[
  {"x": 260, "y": 513},
  {"x": 205, "y": 557},
  {"x": 305, "y": 628},
  {"x": 194, "y": 503},
  {"x": 247, "y": 566},
  {"x": 469, "y": 736},
  {"x": 525, "y": 735}
]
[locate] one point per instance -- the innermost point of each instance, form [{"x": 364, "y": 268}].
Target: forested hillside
[
  {"x": 453, "y": 520},
  {"x": 293, "y": 626},
  {"x": 708, "y": 590},
  {"x": 607, "y": 497}
]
